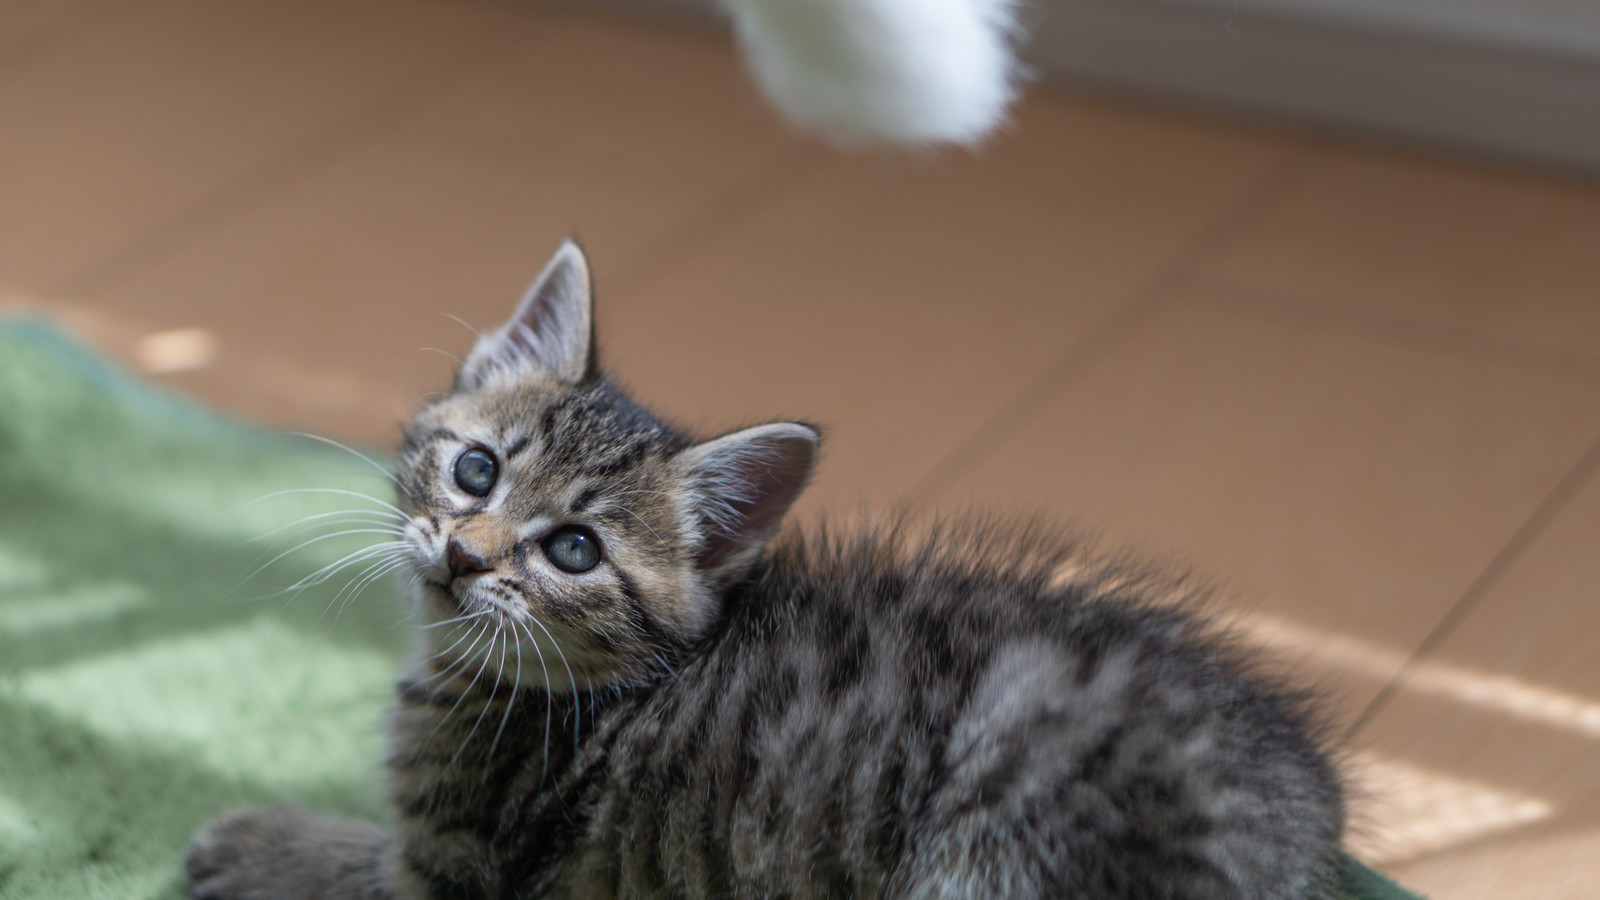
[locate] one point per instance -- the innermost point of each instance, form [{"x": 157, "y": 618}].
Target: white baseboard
[
  {"x": 1501, "y": 86},
  {"x": 1516, "y": 78}
]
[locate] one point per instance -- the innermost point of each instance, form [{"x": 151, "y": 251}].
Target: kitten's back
[{"x": 894, "y": 715}]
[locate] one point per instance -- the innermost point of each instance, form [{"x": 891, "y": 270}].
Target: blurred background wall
[{"x": 1510, "y": 77}]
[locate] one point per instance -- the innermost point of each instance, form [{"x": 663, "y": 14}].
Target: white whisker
[
  {"x": 322, "y": 575},
  {"x": 470, "y": 632},
  {"x": 339, "y": 595},
  {"x": 357, "y": 454},
  {"x": 577, "y": 722},
  {"x": 327, "y": 572},
  {"x": 440, "y": 624},
  {"x": 368, "y": 578},
  {"x": 511, "y": 701},
  {"x": 471, "y": 686},
  {"x": 319, "y": 539},
  {"x": 445, "y": 353},
  {"x": 545, "y": 671},
  {"x": 352, "y": 516},
  {"x": 494, "y": 691},
  {"x": 460, "y": 321},
  {"x": 338, "y": 491},
  {"x": 476, "y": 633}
]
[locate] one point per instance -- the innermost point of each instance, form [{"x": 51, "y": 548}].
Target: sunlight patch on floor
[
  {"x": 1558, "y": 866},
  {"x": 1514, "y": 697},
  {"x": 1413, "y": 810}
]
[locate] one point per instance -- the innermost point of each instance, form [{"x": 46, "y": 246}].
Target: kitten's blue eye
[
  {"x": 476, "y": 472},
  {"x": 572, "y": 549}
]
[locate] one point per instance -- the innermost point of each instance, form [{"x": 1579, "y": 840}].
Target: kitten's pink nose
[{"x": 463, "y": 561}]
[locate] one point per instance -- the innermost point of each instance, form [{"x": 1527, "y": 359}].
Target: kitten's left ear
[
  {"x": 742, "y": 484},
  {"x": 552, "y": 331}
]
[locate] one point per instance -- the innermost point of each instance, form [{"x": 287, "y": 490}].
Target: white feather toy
[{"x": 873, "y": 71}]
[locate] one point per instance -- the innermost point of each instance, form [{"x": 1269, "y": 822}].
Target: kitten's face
[
  {"x": 552, "y": 515},
  {"x": 560, "y": 535}
]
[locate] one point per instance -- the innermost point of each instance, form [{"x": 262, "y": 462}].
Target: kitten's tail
[{"x": 872, "y": 71}]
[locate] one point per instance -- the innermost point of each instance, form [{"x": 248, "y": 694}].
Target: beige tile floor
[{"x": 1358, "y": 386}]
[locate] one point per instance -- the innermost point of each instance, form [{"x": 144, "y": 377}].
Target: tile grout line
[
  {"x": 1411, "y": 333},
  {"x": 364, "y": 122},
  {"x": 1117, "y": 325},
  {"x": 1510, "y": 553}
]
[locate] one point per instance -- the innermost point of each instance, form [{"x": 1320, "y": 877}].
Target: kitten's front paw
[{"x": 282, "y": 853}]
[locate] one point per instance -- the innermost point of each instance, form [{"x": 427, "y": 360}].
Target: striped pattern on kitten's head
[{"x": 559, "y": 532}]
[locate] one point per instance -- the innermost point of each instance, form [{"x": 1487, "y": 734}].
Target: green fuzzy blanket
[{"x": 149, "y": 680}]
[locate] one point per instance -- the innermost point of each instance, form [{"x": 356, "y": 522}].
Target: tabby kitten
[{"x": 623, "y": 691}]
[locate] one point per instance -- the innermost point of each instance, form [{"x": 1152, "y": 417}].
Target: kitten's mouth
[{"x": 447, "y": 598}]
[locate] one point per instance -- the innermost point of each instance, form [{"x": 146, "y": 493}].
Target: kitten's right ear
[
  {"x": 552, "y": 331},
  {"x": 742, "y": 484}
]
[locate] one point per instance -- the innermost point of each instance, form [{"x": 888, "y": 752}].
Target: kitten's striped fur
[{"x": 976, "y": 710}]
